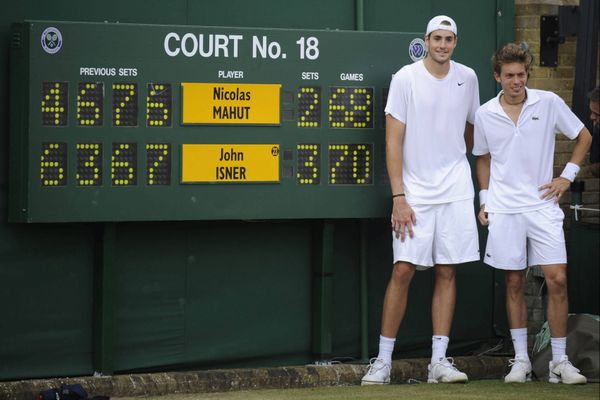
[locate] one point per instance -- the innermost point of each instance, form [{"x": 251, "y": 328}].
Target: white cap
[{"x": 436, "y": 23}]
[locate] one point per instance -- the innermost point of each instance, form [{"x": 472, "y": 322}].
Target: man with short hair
[
  {"x": 429, "y": 114},
  {"x": 514, "y": 144}
]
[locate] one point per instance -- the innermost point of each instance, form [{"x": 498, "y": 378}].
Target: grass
[{"x": 485, "y": 390}]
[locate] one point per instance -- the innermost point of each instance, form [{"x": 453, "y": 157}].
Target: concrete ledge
[
  {"x": 245, "y": 379},
  {"x": 549, "y": 2}
]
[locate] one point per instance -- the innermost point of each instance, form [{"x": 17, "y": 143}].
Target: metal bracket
[
  {"x": 553, "y": 31},
  {"x": 549, "y": 40}
]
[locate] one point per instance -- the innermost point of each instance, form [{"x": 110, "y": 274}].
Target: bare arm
[
  {"x": 582, "y": 146},
  {"x": 403, "y": 217},
  {"x": 482, "y": 165},
  {"x": 559, "y": 185},
  {"x": 469, "y": 136}
]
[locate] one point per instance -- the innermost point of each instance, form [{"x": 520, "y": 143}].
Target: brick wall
[{"x": 559, "y": 80}]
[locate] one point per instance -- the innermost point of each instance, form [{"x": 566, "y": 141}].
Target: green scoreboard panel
[{"x": 124, "y": 122}]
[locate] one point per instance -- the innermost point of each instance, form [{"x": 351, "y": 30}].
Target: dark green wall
[{"x": 210, "y": 294}]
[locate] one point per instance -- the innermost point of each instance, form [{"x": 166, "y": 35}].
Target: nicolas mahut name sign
[
  {"x": 224, "y": 104},
  {"x": 231, "y": 103}
]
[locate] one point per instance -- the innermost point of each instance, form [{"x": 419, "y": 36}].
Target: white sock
[
  {"x": 559, "y": 347},
  {"x": 519, "y": 340},
  {"x": 386, "y": 348},
  {"x": 439, "y": 345}
]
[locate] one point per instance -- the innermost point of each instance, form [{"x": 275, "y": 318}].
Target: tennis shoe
[
  {"x": 378, "y": 373},
  {"x": 444, "y": 371},
  {"x": 520, "y": 371},
  {"x": 563, "y": 371}
]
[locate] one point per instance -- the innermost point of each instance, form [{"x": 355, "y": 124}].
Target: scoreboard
[{"x": 125, "y": 122}]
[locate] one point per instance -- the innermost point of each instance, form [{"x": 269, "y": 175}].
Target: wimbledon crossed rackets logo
[{"x": 51, "y": 40}]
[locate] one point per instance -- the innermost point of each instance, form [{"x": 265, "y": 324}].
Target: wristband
[
  {"x": 570, "y": 171},
  {"x": 482, "y": 197},
  {"x": 398, "y": 195}
]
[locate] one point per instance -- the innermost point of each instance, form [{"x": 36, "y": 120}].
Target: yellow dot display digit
[
  {"x": 158, "y": 164},
  {"x": 89, "y": 103},
  {"x": 309, "y": 164},
  {"x": 159, "y": 98},
  {"x": 350, "y": 107},
  {"x": 354, "y": 170},
  {"x": 53, "y": 164},
  {"x": 123, "y": 164},
  {"x": 57, "y": 114},
  {"x": 309, "y": 108}
]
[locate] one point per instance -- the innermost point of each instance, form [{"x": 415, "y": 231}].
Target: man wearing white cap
[{"x": 429, "y": 115}]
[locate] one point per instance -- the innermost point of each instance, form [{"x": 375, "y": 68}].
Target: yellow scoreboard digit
[
  {"x": 309, "y": 164},
  {"x": 90, "y": 100},
  {"x": 55, "y": 103},
  {"x": 351, "y": 107},
  {"x": 158, "y": 105},
  {"x": 89, "y": 164},
  {"x": 123, "y": 165},
  {"x": 350, "y": 164},
  {"x": 53, "y": 164},
  {"x": 125, "y": 104},
  {"x": 309, "y": 107},
  {"x": 158, "y": 164}
]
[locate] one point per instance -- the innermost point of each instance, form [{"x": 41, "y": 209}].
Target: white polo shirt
[
  {"x": 435, "y": 169},
  {"x": 522, "y": 154}
]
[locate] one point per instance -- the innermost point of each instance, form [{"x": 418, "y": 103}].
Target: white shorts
[
  {"x": 529, "y": 238},
  {"x": 444, "y": 234}
]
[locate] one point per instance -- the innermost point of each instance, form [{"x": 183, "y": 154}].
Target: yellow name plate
[
  {"x": 231, "y": 103},
  {"x": 211, "y": 163}
]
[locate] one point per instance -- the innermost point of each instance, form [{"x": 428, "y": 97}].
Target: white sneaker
[
  {"x": 444, "y": 371},
  {"x": 520, "y": 371},
  {"x": 378, "y": 373},
  {"x": 563, "y": 371}
]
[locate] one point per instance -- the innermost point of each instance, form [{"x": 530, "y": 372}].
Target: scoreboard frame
[{"x": 93, "y": 140}]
